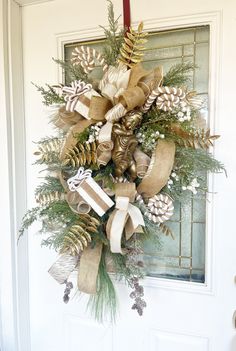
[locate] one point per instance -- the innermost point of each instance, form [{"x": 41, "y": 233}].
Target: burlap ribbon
[
  {"x": 63, "y": 267},
  {"x": 142, "y": 162},
  {"x": 88, "y": 269},
  {"x": 125, "y": 216},
  {"x": 159, "y": 169}
]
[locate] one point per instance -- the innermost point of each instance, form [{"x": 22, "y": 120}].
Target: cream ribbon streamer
[{"x": 125, "y": 217}]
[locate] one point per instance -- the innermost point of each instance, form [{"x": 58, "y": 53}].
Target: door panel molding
[{"x": 166, "y": 340}]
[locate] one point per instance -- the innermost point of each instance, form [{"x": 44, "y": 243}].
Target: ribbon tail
[
  {"x": 134, "y": 221},
  {"x": 115, "y": 227},
  {"x": 88, "y": 269},
  {"x": 63, "y": 267}
]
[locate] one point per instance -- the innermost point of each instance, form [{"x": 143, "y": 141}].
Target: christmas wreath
[{"x": 127, "y": 147}]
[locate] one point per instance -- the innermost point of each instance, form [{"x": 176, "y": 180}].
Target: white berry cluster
[
  {"x": 94, "y": 132},
  {"x": 184, "y": 114},
  {"x": 149, "y": 140},
  {"x": 192, "y": 186},
  {"x": 173, "y": 177}
]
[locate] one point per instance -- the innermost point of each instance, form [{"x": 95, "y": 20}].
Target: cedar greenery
[
  {"x": 72, "y": 72},
  {"x": 49, "y": 95},
  {"x": 114, "y": 37},
  {"x": 179, "y": 74}
]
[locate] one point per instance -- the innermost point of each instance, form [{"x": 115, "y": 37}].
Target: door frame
[
  {"x": 14, "y": 285},
  {"x": 15, "y": 333}
]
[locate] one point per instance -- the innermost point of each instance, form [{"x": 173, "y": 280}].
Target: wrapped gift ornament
[
  {"x": 78, "y": 97},
  {"x": 90, "y": 191}
]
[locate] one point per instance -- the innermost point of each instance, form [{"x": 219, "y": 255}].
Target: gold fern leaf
[
  {"x": 80, "y": 155},
  {"x": 131, "y": 50},
  {"x": 197, "y": 139},
  {"x": 48, "y": 150},
  {"x": 47, "y": 198},
  {"x": 79, "y": 235}
]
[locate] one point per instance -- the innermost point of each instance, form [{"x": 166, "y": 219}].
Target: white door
[{"x": 180, "y": 315}]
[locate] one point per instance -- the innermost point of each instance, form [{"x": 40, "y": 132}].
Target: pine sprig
[
  {"x": 72, "y": 72},
  {"x": 179, "y": 74},
  {"x": 131, "y": 51},
  {"x": 49, "y": 185},
  {"x": 29, "y": 218},
  {"x": 49, "y": 95},
  {"x": 196, "y": 160},
  {"x": 103, "y": 305},
  {"x": 114, "y": 37}
]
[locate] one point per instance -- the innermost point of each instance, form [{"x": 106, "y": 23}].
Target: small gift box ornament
[
  {"x": 90, "y": 191},
  {"x": 78, "y": 97}
]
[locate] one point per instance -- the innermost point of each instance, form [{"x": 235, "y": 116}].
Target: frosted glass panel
[{"x": 184, "y": 256}]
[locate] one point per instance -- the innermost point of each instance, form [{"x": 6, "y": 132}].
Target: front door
[{"x": 190, "y": 290}]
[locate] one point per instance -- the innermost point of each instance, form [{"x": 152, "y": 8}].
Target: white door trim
[
  {"x": 213, "y": 19},
  {"x": 14, "y": 302}
]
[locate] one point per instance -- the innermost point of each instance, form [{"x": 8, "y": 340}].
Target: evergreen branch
[
  {"x": 49, "y": 95},
  {"x": 72, "y": 72},
  {"x": 178, "y": 75},
  {"x": 190, "y": 160},
  {"x": 50, "y": 184},
  {"x": 29, "y": 218},
  {"x": 114, "y": 37},
  {"x": 104, "y": 303}
]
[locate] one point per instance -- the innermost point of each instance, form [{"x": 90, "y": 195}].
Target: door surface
[{"x": 180, "y": 315}]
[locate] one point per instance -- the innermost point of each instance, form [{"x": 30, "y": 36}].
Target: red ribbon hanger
[{"x": 126, "y": 12}]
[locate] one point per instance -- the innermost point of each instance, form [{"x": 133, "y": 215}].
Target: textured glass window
[{"x": 183, "y": 257}]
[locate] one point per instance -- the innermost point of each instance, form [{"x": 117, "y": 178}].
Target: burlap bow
[
  {"x": 128, "y": 96},
  {"x": 126, "y": 217}
]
